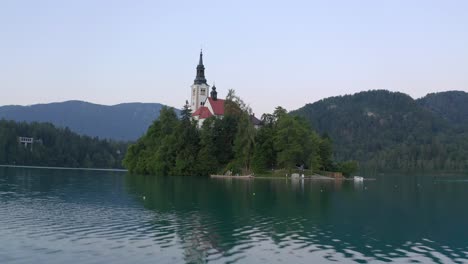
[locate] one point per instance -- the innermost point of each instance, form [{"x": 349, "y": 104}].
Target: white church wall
[{"x": 198, "y": 97}]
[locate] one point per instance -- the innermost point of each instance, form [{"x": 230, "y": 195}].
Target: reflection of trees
[
  {"x": 213, "y": 218},
  {"x": 71, "y": 182},
  {"x": 196, "y": 210}
]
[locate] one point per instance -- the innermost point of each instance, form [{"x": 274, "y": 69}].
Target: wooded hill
[
  {"x": 451, "y": 106},
  {"x": 58, "y": 147},
  {"x": 391, "y": 130}
]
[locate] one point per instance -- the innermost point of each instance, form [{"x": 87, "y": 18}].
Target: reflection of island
[{"x": 215, "y": 218}]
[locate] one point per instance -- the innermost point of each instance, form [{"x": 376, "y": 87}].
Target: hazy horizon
[
  {"x": 180, "y": 107},
  {"x": 272, "y": 53}
]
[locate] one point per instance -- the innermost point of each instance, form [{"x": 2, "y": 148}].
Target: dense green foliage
[
  {"x": 348, "y": 167},
  {"x": 388, "y": 130},
  {"x": 56, "y": 147},
  {"x": 451, "y": 106},
  {"x": 174, "y": 146},
  {"x": 118, "y": 122}
]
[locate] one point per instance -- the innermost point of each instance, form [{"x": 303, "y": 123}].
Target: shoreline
[
  {"x": 312, "y": 178},
  {"x": 59, "y": 168}
]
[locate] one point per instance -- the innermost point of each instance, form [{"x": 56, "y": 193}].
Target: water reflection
[
  {"x": 237, "y": 219},
  {"x": 103, "y": 217}
]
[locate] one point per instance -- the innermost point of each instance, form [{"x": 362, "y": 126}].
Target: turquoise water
[{"x": 66, "y": 216}]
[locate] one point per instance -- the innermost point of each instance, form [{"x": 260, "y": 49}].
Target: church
[{"x": 205, "y": 103}]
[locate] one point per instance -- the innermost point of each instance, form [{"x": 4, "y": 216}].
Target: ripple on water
[{"x": 49, "y": 227}]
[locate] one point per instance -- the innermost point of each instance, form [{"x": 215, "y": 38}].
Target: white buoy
[{"x": 358, "y": 178}]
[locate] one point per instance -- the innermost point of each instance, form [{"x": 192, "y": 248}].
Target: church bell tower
[{"x": 200, "y": 89}]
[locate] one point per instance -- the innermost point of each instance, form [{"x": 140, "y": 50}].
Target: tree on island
[
  {"x": 188, "y": 143},
  {"x": 244, "y": 140}
]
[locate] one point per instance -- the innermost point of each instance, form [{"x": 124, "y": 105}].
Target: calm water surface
[{"x": 59, "y": 216}]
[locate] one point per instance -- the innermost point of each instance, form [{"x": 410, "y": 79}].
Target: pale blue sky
[{"x": 272, "y": 52}]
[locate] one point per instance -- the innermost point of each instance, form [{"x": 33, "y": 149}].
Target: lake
[{"x": 73, "y": 216}]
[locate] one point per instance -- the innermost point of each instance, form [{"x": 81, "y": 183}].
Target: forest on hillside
[
  {"x": 379, "y": 129},
  {"x": 175, "y": 146},
  {"x": 391, "y": 131},
  {"x": 58, "y": 147}
]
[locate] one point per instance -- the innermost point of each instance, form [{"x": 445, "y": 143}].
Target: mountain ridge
[
  {"x": 450, "y": 105},
  {"x": 124, "y": 121}
]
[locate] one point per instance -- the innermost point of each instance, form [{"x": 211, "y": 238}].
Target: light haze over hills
[
  {"x": 130, "y": 120},
  {"x": 120, "y": 122},
  {"x": 286, "y": 53}
]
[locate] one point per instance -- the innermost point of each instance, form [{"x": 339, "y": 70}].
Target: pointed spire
[
  {"x": 200, "y": 78},
  {"x": 201, "y": 57}
]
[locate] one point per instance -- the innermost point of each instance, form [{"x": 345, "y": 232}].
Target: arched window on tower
[{"x": 203, "y": 92}]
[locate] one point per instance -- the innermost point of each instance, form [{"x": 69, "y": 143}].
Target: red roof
[
  {"x": 203, "y": 112},
  {"x": 218, "y": 106}
]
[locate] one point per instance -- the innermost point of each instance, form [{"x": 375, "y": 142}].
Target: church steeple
[
  {"x": 200, "y": 88},
  {"x": 200, "y": 79}
]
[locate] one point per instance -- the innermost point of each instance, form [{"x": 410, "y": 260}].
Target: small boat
[
  {"x": 233, "y": 176},
  {"x": 358, "y": 178}
]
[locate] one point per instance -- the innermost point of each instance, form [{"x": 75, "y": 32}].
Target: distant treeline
[
  {"x": 56, "y": 147},
  {"x": 175, "y": 146}
]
